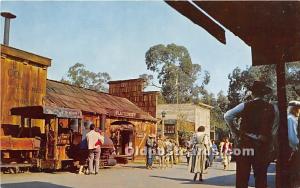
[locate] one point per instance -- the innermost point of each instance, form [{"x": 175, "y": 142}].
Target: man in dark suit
[{"x": 254, "y": 134}]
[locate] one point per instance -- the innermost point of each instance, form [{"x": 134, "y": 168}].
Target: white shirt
[
  {"x": 92, "y": 138},
  {"x": 230, "y": 116}
]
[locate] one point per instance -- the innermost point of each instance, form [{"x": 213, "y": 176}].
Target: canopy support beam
[{"x": 282, "y": 178}]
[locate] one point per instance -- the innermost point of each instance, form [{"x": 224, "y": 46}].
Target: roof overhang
[
  {"x": 25, "y": 56},
  {"x": 41, "y": 112},
  {"x": 270, "y": 28}
]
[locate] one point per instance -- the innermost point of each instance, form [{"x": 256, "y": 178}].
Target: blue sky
[{"x": 113, "y": 37}]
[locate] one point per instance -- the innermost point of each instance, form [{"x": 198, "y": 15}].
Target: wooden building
[
  {"x": 122, "y": 120},
  {"x": 133, "y": 90},
  {"x": 24, "y": 83}
]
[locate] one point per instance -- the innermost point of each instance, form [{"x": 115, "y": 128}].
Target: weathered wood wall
[
  {"x": 133, "y": 90},
  {"x": 140, "y": 132},
  {"x": 23, "y": 81}
]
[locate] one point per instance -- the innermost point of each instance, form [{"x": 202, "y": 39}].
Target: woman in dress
[{"x": 200, "y": 143}]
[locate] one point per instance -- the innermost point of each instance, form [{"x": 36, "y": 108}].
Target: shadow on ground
[
  {"x": 219, "y": 180},
  {"x": 33, "y": 184}
]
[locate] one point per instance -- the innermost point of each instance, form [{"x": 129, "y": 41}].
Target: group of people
[
  {"x": 165, "y": 151},
  {"x": 253, "y": 126},
  {"x": 91, "y": 141}
]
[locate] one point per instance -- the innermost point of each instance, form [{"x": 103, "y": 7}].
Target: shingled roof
[{"x": 89, "y": 101}]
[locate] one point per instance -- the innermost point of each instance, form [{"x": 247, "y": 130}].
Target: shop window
[{"x": 170, "y": 129}]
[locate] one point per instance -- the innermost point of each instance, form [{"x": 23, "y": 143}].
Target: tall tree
[
  {"x": 79, "y": 76},
  {"x": 241, "y": 80},
  {"x": 176, "y": 73}
]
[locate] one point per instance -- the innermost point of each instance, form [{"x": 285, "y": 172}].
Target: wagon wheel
[{"x": 101, "y": 164}]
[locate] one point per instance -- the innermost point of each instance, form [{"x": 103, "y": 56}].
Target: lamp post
[{"x": 163, "y": 115}]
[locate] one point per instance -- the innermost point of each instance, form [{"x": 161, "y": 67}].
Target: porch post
[{"x": 282, "y": 178}]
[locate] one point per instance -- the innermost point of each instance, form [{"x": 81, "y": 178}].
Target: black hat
[{"x": 259, "y": 87}]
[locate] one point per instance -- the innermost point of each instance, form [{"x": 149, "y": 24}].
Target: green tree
[
  {"x": 241, "y": 80},
  {"x": 219, "y": 105},
  {"x": 79, "y": 76},
  {"x": 176, "y": 73}
]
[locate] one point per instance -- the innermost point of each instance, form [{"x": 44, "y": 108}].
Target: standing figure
[
  {"x": 294, "y": 137},
  {"x": 254, "y": 135},
  {"x": 197, "y": 162},
  {"x": 150, "y": 143},
  {"x": 221, "y": 146},
  {"x": 226, "y": 153},
  {"x": 214, "y": 152},
  {"x": 161, "y": 152},
  {"x": 169, "y": 153},
  {"x": 176, "y": 153},
  {"x": 93, "y": 138}
]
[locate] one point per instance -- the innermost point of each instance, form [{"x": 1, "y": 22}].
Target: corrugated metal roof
[{"x": 89, "y": 101}]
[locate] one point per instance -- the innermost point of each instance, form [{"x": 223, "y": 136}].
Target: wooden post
[
  {"x": 47, "y": 124},
  {"x": 102, "y": 122},
  {"x": 30, "y": 127},
  {"x": 282, "y": 178},
  {"x": 55, "y": 152}
]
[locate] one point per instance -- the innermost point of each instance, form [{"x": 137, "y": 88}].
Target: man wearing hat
[
  {"x": 293, "y": 136},
  {"x": 254, "y": 133},
  {"x": 150, "y": 144}
]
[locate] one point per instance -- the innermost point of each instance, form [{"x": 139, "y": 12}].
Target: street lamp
[{"x": 163, "y": 115}]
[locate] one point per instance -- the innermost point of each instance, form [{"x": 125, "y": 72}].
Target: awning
[
  {"x": 41, "y": 112},
  {"x": 121, "y": 125}
]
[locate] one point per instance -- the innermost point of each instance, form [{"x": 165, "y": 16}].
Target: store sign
[
  {"x": 62, "y": 112},
  {"x": 118, "y": 113}
]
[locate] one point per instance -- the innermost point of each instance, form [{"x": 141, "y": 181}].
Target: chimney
[{"x": 7, "y": 16}]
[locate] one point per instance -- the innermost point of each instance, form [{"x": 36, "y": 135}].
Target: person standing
[
  {"x": 294, "y": 137},
  {"x": 169, "y": 153},
  {"x": 161, "y": 152},
  {"x": 176, "y": 153},
  {"x": 150, "y": 143},
  {"x": 198, "y": 159},
  {"x": 214, "y": 151},
  {"x": 254, "y": 134},
  {"x": 93, "y": 138}
]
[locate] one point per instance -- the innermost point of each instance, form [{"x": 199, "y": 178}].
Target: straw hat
[
  {"x": 294, "y": 103},
  {"x": 152, "y": 135}
]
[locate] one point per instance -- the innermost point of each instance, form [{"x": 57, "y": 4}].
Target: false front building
[{"x": 24, "y": 84}]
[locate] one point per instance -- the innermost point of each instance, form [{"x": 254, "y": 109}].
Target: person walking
[
  {"x": 198, "y": 159},
  {"x": 294, "y": 137},
  {"x": 93, "y": 138},
  {"x": 226, "y": 153},
  {"x": 253, "y": 134},
  {"x": 150, "y": 143}
]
